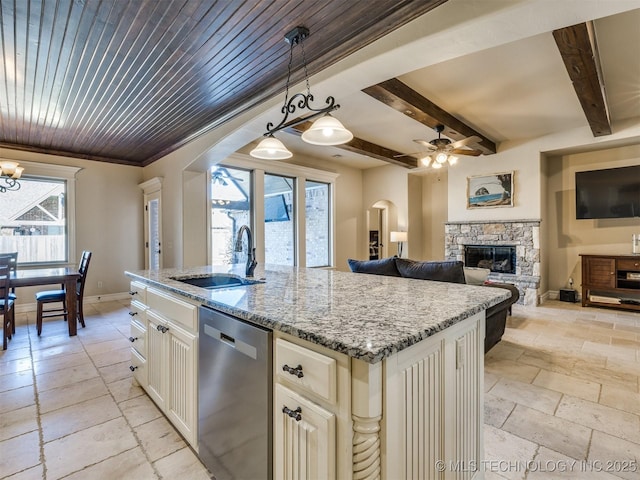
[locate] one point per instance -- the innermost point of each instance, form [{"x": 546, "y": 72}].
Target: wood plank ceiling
[{"x": 128, "y": 81}]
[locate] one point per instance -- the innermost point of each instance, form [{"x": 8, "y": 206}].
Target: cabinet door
[
  {"x": 303, "y": 447},
  {"x": 181, "y": 394},
  {"x": 156, "y": 360},
  {"x": 600, "y": 272}
]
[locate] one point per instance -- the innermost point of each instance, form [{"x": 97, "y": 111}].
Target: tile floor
[
  {"x": 70, "y": 409},
  {"x": 562, "y": 401},
  {"x": 562, "y": 395}
]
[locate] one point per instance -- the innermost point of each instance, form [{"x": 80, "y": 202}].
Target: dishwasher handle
[{"x": 231, "y": 342}]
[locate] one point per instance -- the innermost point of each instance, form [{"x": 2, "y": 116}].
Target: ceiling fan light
[
  {"x": 327, "y": 130},
  {"x": 441, "y": 157},
  {"x": 436, "y": 165},
  {"x": 452, "y": 160},
  {"x": 425, "y": 161},
  {"x": 270, "y": 148},
  {"x": 17, "y": 173}
]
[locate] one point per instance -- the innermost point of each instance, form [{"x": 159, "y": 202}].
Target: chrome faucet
[{"x": 251, "y": 252}]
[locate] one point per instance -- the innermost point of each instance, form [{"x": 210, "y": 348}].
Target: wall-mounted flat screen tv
[{"x": 608, "y": 193}]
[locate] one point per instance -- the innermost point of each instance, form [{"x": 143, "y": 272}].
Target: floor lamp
[{"x": 399, "y": 238}]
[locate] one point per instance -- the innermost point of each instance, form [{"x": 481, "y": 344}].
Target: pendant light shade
[
  {"x": 270, "y": 148},
  {"x": 327, "y": 130}
]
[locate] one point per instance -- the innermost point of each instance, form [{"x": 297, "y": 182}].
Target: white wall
[{"x": 109, "y": 219}]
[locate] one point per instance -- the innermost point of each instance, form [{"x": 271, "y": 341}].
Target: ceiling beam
[
  {"x": 404, "y": 99},
  {"x": 363, "y": 147},
  {"x": 579, "y": 51}
]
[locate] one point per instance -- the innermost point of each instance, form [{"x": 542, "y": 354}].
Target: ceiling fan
[{"x": 441, "y": 150}]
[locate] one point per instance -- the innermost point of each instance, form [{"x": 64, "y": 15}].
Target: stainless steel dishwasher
[{"x": 234, "y": 397}]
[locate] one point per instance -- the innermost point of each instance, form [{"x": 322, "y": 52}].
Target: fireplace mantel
[{"x": 523, "y": 234}]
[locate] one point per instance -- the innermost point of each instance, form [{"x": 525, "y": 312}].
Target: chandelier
[
  {"x": 326, "y": 130},
  {"x": 10, "y": 172}
]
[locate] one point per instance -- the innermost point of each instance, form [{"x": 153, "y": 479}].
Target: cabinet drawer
[
  {"x": 138, "y": 338},
  {"x": 136, "y": 311},
  {"x": 309, "y": 370},
  {"x": 173, "y": 309},
  {"x": 139, "y": 368},
  {"x": 138, "y": 291},
  {"x": 630, "y": 264}
]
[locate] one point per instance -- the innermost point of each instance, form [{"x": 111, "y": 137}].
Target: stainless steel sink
[{"x": 217, "y": 280}]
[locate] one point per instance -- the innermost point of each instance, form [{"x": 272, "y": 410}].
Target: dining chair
[
  {"x": 59, "y": 296},
  {"x": 6, "y": 304},
  {"x": 13, "y": 267}
]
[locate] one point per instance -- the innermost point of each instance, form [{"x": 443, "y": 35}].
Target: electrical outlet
[{"x": 100, "y": 284}]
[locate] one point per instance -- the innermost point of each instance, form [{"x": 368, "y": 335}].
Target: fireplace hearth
[
  {"x": 522, "y": 237},
  {"x": 497, "y": 258}
]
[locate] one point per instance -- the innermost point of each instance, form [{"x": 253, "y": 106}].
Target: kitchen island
[{"x": 394, "y": 365}]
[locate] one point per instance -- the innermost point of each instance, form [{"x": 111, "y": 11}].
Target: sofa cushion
[
  {"x": 384, "y": 266},
  {"x": 448, "y": 271}
]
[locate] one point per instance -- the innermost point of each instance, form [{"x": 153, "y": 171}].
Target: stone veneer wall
[{"x": 523, "y": 234}]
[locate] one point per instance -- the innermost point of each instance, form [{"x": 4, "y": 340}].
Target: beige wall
[
  {"x": 568, "y": 237},
  {"x": 434, "y": 211},
  {"x": 109, "y": 220}
]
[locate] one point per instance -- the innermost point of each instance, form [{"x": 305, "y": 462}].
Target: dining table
[{"x": 66, "y": 276}]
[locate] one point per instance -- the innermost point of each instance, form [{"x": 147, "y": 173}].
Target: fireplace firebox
[{"x": 497, "y": 258}]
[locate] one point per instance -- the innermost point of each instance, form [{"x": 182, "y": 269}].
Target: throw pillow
[
  {"x": 448, "y": 271},
  {"x": 476, "y": 276},
  {"x": 384, "y": 266}
]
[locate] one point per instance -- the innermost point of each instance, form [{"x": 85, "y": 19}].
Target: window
[
  {"x": 230, "y": 209},
  {"x": 317, "y": 218},
  {"x": 33, "y": 221},
  {"x": 279, "y": 224},
  {"x": 290, "y": 215}
]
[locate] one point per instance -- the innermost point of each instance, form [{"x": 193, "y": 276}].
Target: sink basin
[{"x": 217, "y": 280}]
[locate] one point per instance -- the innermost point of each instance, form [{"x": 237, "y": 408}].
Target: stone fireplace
[{"x": 522, "y": 235}]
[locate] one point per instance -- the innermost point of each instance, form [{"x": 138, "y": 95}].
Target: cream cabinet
[
  {"x": 138, "y": 332},
  {"x": 312, "y": 429},
  {"x": 169, "y": 352},
  {"x": 433, "y": 405},
  {"x": 304, "y": 438}
]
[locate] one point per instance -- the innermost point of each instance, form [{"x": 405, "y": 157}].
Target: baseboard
[{"x": 110, "y": 297}]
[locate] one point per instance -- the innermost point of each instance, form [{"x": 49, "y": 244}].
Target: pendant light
[
  {"x": 10, "y": 172},
  {"x": 326, "y": 130}
]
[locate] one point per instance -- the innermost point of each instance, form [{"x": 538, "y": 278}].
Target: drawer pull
[
  {"x": 133, "y": 339},
  {"x": 297, "y": 371},
  {"x": 133, "y": 314},
  {"x": 132, "y": 368},
  {"x": 295, "y": 414},
  {"x": 133, "y": 293},
  {"x": 162, "y": 328}
]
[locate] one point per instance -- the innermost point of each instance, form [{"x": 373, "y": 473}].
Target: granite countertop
[{"x": 368, "y": 317}]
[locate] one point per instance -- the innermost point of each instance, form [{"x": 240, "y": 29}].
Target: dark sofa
[{"x": 443, "y": 271}]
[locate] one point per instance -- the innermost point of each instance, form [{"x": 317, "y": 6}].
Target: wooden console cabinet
[{"x": 611, "y": 281}]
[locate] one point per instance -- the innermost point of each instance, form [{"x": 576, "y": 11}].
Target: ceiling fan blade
[
  {"x": 466, "y": 151},
  {"x": 465, "y": 141},
  {"x": 426, "y": 144}
]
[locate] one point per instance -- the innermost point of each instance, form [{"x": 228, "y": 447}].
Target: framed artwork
[{"x": 490, "y": 191}]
